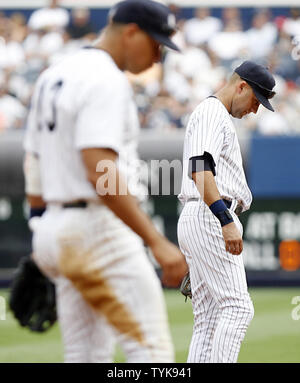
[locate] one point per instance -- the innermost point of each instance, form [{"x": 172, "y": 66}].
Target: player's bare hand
[
  {"x": 172, "y": 262},
  {"x": 233, "y": 239}
]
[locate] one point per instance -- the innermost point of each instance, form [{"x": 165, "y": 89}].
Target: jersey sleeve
[
  {"x": 207, "y": 134},
  {"x": 31, "y": 138},
  {"x": 101, "y": 119}
]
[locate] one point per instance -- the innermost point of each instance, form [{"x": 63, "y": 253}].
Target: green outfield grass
[{"x": 273, "y": 335}]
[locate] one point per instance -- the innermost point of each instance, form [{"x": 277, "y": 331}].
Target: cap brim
[
  {"x": 164, "y": 40},
  {"x": 262, "y": 99}
]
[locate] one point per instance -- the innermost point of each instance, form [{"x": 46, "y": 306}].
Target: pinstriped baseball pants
[
  {"x": 107, "y": 290},
  {"x": 222, "y": 307}
]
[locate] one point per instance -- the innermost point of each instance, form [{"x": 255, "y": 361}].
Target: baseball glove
[
  {"x": 32, "y": 297},
  {"x": 185, "y": 287}
]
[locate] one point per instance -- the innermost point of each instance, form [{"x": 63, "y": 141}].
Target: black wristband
[
  {"x": 37, "y": 212},
  {"x": 219, "y": 209},
  {"x": 224, "y": 217}
]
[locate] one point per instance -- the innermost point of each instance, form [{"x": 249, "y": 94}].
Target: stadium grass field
[{"x": 273, "y": 336}]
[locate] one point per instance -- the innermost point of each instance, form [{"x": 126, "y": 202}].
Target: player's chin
[
  {"x": 140, "y": 68},
  {"x": 239, "y": 115}
]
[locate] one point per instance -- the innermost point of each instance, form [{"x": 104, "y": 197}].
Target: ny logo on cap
[{"x": 171, "y": 21}]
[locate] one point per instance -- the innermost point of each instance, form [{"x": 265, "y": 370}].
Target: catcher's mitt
[
  {"x": 32, "y": 297},
  {"x": 185, "y": 287}
]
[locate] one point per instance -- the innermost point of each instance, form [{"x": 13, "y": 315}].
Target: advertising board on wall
[{"x": 271, "y": 227}]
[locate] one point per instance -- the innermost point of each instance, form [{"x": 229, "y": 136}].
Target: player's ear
[
  {"x": 129, "y": 31},
  {"x": 241, "y": 86}
]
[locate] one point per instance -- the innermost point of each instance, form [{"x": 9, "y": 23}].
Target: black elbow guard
[{"x": 202, "y": 163}]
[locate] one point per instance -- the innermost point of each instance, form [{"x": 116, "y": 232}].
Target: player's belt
[
  {"x": 78, "y": 204},
  {"x": 237, "y": 210}
]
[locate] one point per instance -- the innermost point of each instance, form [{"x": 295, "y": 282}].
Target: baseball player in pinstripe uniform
[
  {"x": 214, "y": 192},
  {"x": 81, "y": 138}
]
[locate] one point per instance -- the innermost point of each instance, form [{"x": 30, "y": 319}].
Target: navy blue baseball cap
[
  {"x": 152, "y": 17},
  {"x": 260, "y": 80}
]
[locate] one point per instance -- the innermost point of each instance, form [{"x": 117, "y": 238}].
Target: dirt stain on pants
[{"x": 97, "y": 292}]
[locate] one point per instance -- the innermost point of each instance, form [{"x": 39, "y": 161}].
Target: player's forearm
[
  {"x": 127, "y": 209},
  {"x": 207, "y": 187},
  {"x": 209, "y": 192}
]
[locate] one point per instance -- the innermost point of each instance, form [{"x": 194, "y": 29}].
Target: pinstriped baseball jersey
[{"x": 210, "y": 129}]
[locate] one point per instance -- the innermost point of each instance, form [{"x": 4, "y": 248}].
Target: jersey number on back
[{"x": 51, "y": 101}]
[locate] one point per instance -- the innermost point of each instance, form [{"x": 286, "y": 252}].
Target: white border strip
[{"x": 29, "y": 4}]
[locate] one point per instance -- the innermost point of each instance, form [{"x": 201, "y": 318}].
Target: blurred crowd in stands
[{"x": 167, "y": 93}]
